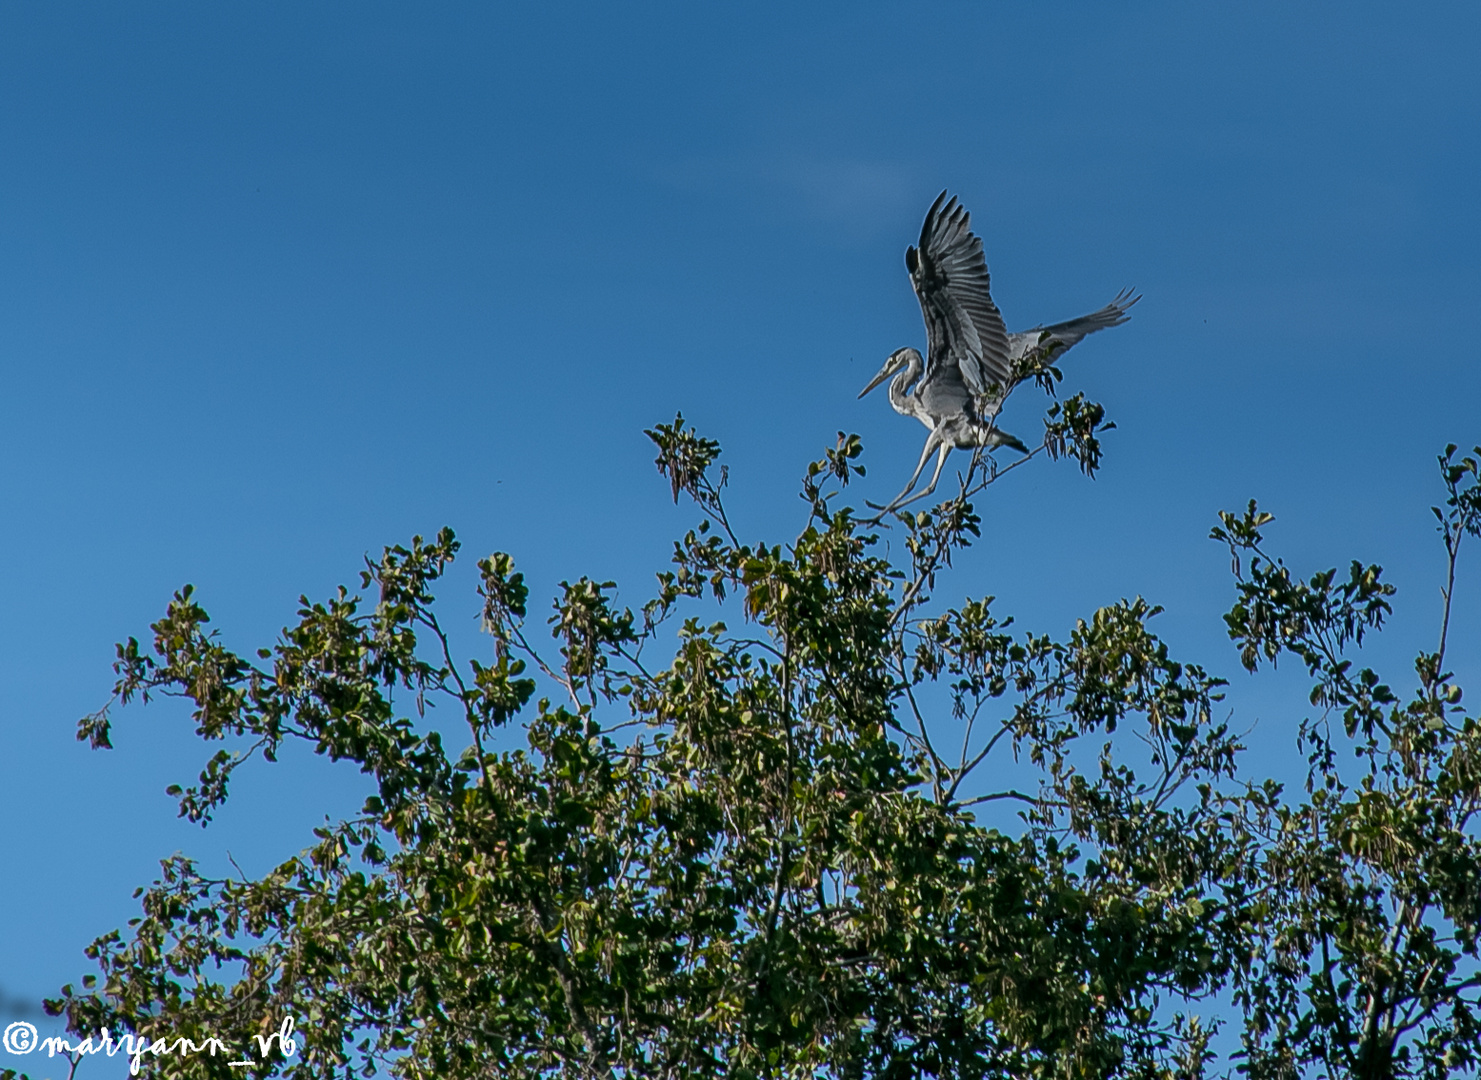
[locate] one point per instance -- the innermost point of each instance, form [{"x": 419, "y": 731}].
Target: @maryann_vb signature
[{"x": 22, "y": 1038}]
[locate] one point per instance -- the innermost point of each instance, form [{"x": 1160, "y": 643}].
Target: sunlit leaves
[
  {"x": 1072, "y": 428},
  {"x": 762, "y": 856},
  {"x": 1367, "y": 963}
]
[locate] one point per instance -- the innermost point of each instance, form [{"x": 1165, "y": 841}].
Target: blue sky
[{"x": 281, "y": 284}]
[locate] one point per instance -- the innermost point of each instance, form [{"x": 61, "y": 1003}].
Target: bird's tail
[{"x": 992, "y": 438}]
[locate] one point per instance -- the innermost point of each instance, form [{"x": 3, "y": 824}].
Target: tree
[
  {"x": 756, "y": 858},
  {"x": 1368, "y": 959}
]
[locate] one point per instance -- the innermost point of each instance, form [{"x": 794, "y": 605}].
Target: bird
[{"x": 972, "y": 362}]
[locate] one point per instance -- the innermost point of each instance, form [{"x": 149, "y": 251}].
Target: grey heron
[{"x": 972, "y": 361}]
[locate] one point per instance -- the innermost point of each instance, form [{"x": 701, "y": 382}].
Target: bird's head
[{"x": 898, "y": 361}]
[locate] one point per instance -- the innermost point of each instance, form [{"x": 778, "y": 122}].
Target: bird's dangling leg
[
  {"x": 935, "y": 476},
  {"x": 935, "y": 439}
]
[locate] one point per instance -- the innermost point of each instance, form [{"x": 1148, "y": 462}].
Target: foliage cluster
[{"x": 756, "y": 857}]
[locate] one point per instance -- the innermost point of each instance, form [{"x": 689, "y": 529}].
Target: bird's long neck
[{"x": 900, "y": 398}]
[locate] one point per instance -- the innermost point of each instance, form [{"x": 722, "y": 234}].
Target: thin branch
[
  {"x": 1452, "y": 549},
  {"x": 963, "y": 772},
  {"x": 937, "y": 765},
  {"x": 1010, "y": 794}
]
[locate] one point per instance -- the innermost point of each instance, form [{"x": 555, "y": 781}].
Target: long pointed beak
[{"x": 884, "y": 373}]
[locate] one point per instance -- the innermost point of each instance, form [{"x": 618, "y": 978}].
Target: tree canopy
[{"x": 798, "y": 815}]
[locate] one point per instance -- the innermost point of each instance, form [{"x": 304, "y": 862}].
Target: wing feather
[
  {"x": 964, "y": 328},
  {"x": 1076, "y": 330}
]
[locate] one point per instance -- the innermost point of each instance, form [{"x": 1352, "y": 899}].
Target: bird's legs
[
  {"x": 937, "y": 439},
  {"x": 946, "y": 448}
]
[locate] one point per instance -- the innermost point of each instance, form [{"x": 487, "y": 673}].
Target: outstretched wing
[
  {"x": 963, "y": 327},
  {"x": 1074, "y": 331}
]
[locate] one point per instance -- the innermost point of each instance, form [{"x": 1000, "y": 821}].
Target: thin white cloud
[{"x": 859, "y": 196}]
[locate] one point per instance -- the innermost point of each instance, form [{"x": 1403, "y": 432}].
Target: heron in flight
[{"x": 972, "y": 361}]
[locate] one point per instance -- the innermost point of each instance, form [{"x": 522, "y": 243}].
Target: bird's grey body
[{"x": 972, "y": 361}]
